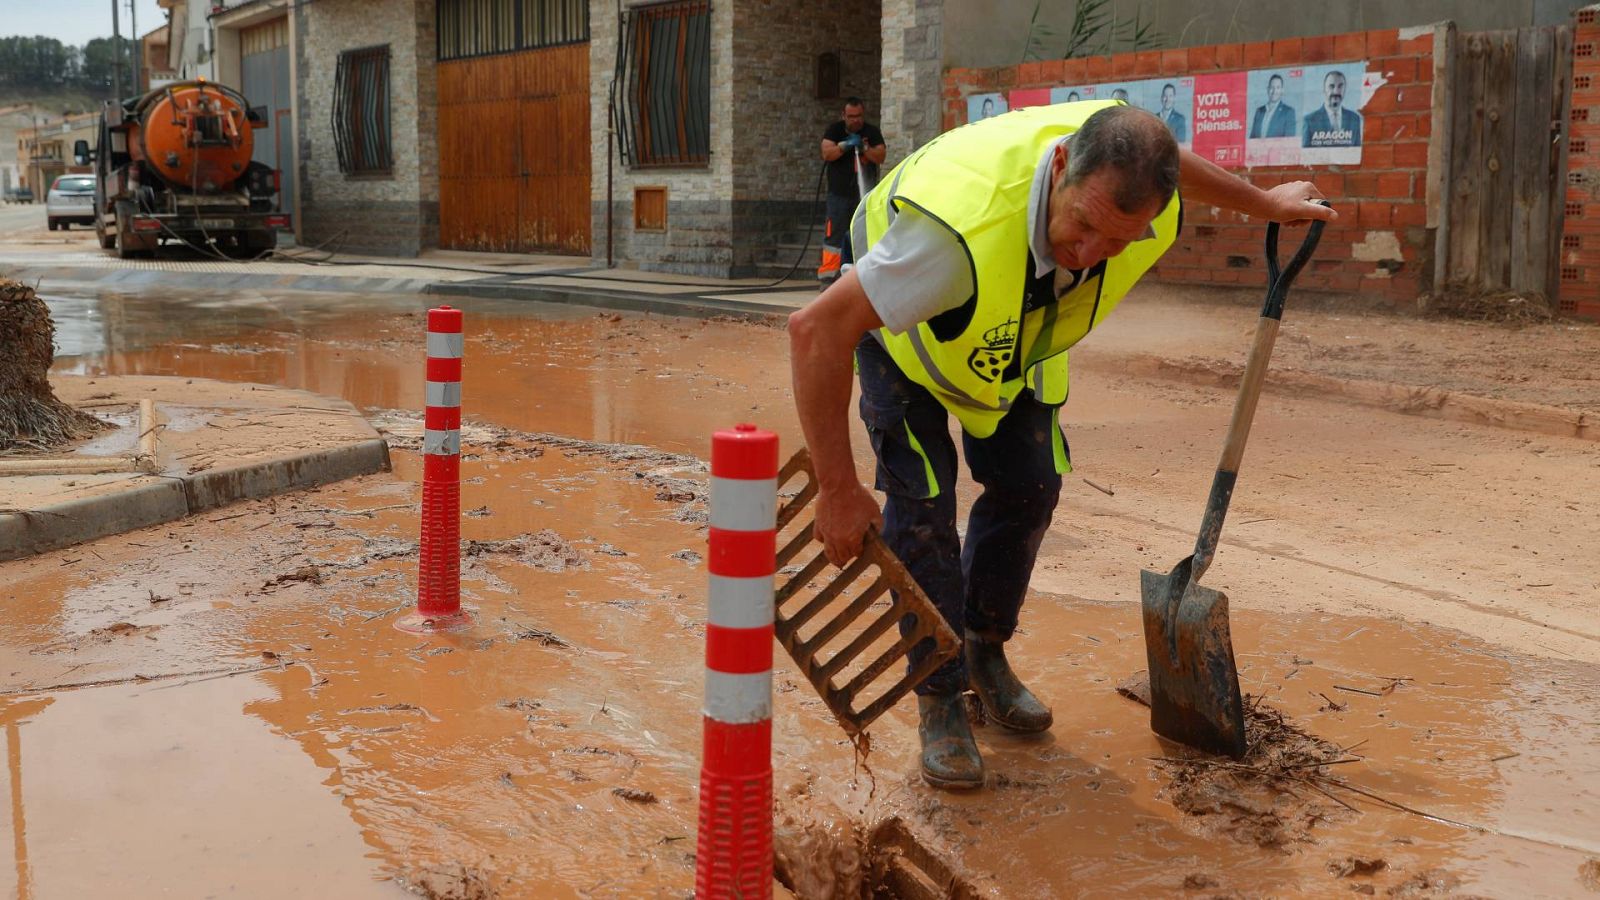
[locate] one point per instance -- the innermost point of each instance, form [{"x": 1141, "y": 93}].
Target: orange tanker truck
[{"x": 174, "y": 165}]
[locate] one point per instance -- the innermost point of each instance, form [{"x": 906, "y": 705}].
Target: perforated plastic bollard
[
  {"x": 734, "y": 856},
  {"x": 439, "y": 557}
]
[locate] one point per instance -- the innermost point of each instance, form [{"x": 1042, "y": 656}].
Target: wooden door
[
  {"x": 1500, "y": 229},
  {"x": 514, "y": 158}
]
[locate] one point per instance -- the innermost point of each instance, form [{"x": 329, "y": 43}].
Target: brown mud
[{"x": 1370, "y": 609}]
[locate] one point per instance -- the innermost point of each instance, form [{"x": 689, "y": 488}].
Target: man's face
[
  {"x": 1333, "y": 89},
  {"x": 1085, "y": 226},
  {"x": 854, "y": 118},
  {"x": 1274, "y": 89},
  {"x": 1168, "y": 95}
]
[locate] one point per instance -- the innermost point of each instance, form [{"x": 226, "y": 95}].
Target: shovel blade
[{"x": 1194, "y": 685}]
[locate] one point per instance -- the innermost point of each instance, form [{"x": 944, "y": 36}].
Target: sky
[{"x": 74, "y": 21}]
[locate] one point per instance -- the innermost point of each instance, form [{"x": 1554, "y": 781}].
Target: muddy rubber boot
[
  {"x": 950, "y": 756},
  {"x": 1005, "y": 699}
]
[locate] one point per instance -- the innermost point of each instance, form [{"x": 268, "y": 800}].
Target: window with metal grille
[
  {"x": 361, "y": 112},
  {"x": 484, "y": 27},
  {"x": 662, "y": 92}
]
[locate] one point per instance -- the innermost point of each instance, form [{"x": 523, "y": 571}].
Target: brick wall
[
  {"x": 395, "y": 214},
  {"x": 1381, "y": 247},
  {"x": 1580, "y": 242}
]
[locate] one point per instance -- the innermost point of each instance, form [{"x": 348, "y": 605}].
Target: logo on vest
[{"x": 989, "y": 361}]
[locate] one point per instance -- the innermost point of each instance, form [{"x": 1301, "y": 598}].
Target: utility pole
[
  {"x": 138, "y": 63},
  {"x": 116, "y": 52}
]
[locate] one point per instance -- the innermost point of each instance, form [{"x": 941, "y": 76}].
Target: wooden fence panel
[{"x": 1506, "y": 170}]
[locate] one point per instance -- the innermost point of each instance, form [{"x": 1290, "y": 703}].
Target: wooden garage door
[{"x": 514, "y": 151}]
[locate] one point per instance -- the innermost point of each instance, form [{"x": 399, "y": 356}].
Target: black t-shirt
[{"x": 842, "y": 171}]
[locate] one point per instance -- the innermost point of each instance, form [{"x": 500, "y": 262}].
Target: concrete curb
[
  {"x": 166, "y": 498},
  {"x": 219, "y": 487},
  {"x": 1412, "y": 400},
  {"x": 87, "y": 518}
]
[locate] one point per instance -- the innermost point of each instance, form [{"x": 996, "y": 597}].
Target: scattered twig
[
  {"x": 1505, "y": 756},
  {"x": 1356, "y": 690},
  {"x": 1394, "y": 804},
  {"x": 1104, "y": 490}
]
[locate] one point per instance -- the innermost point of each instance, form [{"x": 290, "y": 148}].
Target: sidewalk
[{"x": 194, "y": 445}]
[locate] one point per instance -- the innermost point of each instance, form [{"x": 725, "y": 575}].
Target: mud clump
[
  {"x": 543, "y": 550},
  {"x": 1432, "y": 883},
  {"x": 1262, "y": 799},
  {"x": 820, "y": 853},
  {"x": 449, "y": 883},
  {"x": 1589, "y": 874}
]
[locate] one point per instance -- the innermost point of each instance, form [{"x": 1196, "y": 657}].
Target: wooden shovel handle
[{"x": 1244, "y": 409}]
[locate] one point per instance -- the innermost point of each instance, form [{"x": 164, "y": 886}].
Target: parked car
[
  {"x": 70, "y": 201},
  {"x": 19, "y": 195}
]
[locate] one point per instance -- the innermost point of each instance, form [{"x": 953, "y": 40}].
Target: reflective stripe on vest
[{"x": 975, "y": 181}]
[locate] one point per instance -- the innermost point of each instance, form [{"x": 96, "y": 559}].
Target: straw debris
[{"x": 31, "y": 418}]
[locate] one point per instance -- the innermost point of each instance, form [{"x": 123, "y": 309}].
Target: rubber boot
[
  {"x": 1005, "y": 699},
  {"x": 950, "y": 756}
]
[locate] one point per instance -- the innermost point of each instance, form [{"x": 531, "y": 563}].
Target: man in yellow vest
[{"x": 981, "y": 259}]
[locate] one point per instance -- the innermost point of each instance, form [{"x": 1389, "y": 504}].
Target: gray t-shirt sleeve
[{"x": 914, "y": 272}]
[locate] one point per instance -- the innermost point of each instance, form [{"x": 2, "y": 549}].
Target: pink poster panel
[
  {"x": 1219, "y": 117},
  {"x": 1023, "y": 98}
]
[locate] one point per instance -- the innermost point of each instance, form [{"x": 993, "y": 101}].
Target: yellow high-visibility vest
[{"x": 975, "y": 181}]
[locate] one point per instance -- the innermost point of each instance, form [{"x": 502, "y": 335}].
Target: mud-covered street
[{"x": 221, "y": 704}]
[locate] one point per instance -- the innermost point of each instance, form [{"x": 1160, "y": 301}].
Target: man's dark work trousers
[
  {"x": 978, "y": 587},
  {"x": 840, "y": 209}
]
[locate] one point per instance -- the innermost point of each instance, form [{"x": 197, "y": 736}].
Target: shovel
[{"x": 1194, "y": 686}]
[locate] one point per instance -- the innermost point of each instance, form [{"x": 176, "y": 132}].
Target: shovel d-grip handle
[{"x": 1244, "y": 409}]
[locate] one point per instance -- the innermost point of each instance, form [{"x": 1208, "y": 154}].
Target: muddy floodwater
[{"x": 221, "y": 706}]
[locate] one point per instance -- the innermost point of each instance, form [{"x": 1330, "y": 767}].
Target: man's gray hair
[{"x": 1137, "y": 147}]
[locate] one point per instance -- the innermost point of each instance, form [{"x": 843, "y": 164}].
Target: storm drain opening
[{"x": 822, "y": 861}]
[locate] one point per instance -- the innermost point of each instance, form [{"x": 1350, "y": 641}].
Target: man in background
[{"x": 841, "y": 143}]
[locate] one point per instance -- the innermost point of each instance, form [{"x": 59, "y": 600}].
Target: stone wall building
[{"x": 387, "y": 204}]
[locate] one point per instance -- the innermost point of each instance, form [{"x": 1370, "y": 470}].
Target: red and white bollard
[
  {"x": 734, "y": 856},
  {"x": 439, "y": 562}
]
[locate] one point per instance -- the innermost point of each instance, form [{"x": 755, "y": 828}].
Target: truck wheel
[
  {"x": 52, "y": 224},
  {"x": 108, "y": 238}
]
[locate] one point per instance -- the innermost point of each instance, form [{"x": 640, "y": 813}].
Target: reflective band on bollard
[
  {"x": 734, "y": 856},
  {"x": 439, "y": 558}
]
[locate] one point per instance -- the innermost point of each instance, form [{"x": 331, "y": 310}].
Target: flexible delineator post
[
  {"x": 734, "y": 856},
  {"x": 439, "y": 559}
]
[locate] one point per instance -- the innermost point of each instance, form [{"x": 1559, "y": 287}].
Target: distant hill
[{"x": 53, "y": 102}]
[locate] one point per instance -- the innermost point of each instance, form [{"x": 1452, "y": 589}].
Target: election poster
[
  {"x": 1283, "y": 116},
  {"x": 1330, "y": 124},
  {"x": 1072, "y": 94},
  {"x": 1172, "y": 101},
  {"x": 1219, "y": 118},
  {"x": 1022, "y": 98},
  {"x": 984, "y": 106}
]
